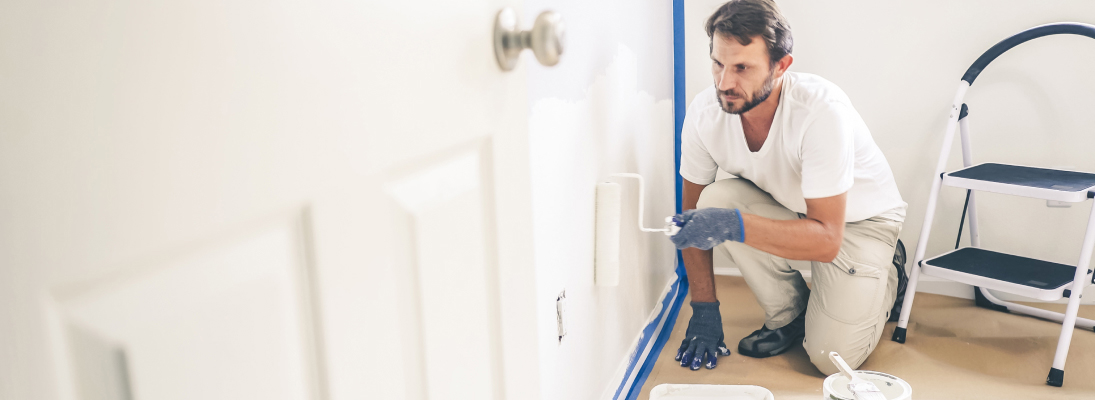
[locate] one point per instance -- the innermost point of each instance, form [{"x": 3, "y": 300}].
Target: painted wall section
[
  {"x": 900, "y": 62},
  {"x": 605, "y": 108}
]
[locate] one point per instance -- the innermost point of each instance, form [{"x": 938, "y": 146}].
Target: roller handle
[{"x": 672, "y": 224}]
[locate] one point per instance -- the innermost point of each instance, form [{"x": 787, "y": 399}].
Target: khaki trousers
[{"x": 852, "y": 295}]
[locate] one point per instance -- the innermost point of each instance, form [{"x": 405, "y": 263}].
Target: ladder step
[
  {"x": 1022, "y": 276},
  {"x": 1017, "y": 180}
]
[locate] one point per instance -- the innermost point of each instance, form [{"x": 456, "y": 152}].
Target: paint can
[{"x": 835, "y": 386}]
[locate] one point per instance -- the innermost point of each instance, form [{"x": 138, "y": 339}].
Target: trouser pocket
[{"x": 847, "y": 291}]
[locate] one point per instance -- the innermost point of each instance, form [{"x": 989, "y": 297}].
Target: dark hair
[{"x": 744, "y": 19}]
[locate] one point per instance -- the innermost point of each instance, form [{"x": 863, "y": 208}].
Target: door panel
[
  {"x": 227, "y": 322},
  {"x": 100, "y": 366},
  {"x": 446, "y": 210}
]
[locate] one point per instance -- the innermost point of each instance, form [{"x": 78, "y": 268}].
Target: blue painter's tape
[
  {"x": 663, "y": 336},
  {"x": 651, "y": 330},
  {"x": 679, "y": 110},
  {"x": 678, "y": 94}
]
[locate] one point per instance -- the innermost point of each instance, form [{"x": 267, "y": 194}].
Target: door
[{"x": 240, "y": 199}]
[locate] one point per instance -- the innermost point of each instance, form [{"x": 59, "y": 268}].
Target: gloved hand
[
  {"x": 703, "y": 339},
  {"x": 708, "y": 227}
]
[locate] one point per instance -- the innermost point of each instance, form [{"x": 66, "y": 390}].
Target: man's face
[{"x": 743, "y": 76}]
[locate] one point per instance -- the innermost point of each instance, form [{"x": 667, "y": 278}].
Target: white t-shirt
[{"x": 818, "y": 147}]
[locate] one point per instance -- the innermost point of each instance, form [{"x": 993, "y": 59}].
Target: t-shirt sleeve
[
  {"x": 697, "y": 165},
  {"x": 828, "y": 152}
]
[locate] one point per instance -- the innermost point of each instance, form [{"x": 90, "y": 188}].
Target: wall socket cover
[{"x": 560, "y": 311}]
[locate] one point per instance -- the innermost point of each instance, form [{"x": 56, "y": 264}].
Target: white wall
[
  {"x": 606, "y": 108},
  {"x": 900, "y": 62}
]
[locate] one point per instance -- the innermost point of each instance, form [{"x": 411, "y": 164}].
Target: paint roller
[{"x": 606, "y": 245}]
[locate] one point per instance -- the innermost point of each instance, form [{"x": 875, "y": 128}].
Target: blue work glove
[
  {"x": 703, "y": 339},
  {"x": 708, "y": 227}
]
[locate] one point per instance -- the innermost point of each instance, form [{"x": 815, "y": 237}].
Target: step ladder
[{"x": 992, "y": 270}]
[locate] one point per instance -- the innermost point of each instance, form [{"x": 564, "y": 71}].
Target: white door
[{"x": 241, "y": 199}]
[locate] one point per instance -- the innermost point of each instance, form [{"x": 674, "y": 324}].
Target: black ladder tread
[
  {"x": 1044, "y": 178},
  {"x": 1019, "y": 270}
]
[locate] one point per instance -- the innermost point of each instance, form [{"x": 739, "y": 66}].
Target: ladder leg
[
  {"x": 1056, "y": 374},
  {"x": 967, "y": 160},
  {"x": 914, "y": 275},
  {"x": 929, "y": 214},
  {"x": 906, "y": 307}
]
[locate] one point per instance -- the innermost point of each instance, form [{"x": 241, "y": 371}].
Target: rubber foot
[
  {"x": 1056, "y": 377},
  {"x": 981, "y": 301},
  {"x": 899, "y": 335}
]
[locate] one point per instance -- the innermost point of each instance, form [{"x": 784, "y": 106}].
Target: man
[{"x": 812, "y": 185}]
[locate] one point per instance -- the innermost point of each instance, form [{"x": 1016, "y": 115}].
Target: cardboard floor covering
[{"x": 954, "y": 350}]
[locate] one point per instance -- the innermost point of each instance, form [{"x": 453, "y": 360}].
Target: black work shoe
[
  {"x": 766, "y": 342},
  {"x": 902, "y": 281}
]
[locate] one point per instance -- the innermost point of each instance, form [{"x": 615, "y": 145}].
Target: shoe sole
[
  {"x": 775, "y": 352},
  {"x": 895, "y": 310}
]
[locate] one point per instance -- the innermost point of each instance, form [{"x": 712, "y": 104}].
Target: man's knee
[
  {"x": 743, "y": 194},
  {"x": 725, "y": 193},
  {"x": 819, "y": 356},
  {"x": 852, "y": 349}
]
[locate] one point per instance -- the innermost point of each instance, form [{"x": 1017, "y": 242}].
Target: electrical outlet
[{"x": 560, "y": 312}]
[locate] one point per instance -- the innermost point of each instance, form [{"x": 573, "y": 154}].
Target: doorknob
[{"x": 545, "y": 38}]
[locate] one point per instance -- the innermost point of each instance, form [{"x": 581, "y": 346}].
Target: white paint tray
[{"x": 668, "y": 391}]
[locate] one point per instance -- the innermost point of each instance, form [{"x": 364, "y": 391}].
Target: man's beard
[{"x": 758, "y": 97}]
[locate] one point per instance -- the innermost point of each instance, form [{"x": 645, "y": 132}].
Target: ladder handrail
[{"x": 1074, "y": 28}]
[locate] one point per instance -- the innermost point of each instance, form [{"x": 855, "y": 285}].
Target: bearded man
[{"x": 811, "y": 185}]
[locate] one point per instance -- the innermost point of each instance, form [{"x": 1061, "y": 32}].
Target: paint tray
[{"x": 667, "y": 391}]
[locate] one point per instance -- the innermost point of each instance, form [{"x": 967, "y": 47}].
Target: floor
[{"x": 954, "y": 350}]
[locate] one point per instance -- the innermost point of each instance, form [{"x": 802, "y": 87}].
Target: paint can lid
[{"x": 894, "y": 388}]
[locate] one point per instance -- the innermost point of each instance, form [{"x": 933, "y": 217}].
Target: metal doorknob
[{"x": 545, "y": 38}]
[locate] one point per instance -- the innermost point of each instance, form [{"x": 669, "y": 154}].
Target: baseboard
[{"x": 931, "y": 284}]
